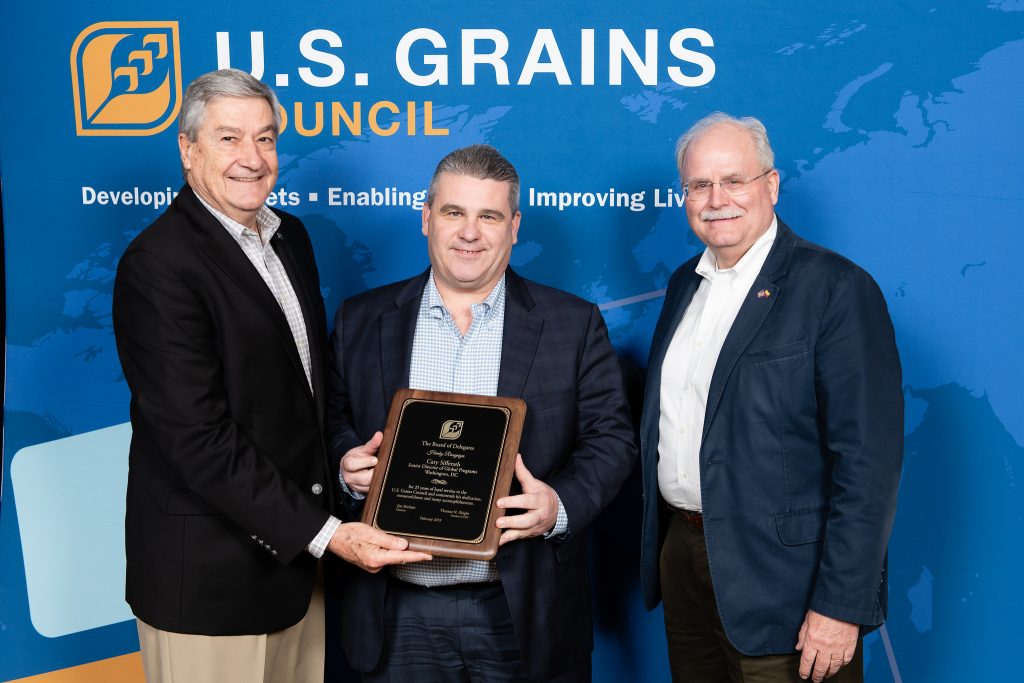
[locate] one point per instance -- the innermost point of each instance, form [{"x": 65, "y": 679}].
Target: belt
[{"x": 691, "y": 518}]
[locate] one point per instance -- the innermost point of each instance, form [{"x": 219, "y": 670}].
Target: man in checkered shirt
[
  {"x": 469, "y": 324},
  {"x": 221, "y": 330}
]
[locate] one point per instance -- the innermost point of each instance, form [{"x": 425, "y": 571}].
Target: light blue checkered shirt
[{"x": 445, "y": 360}]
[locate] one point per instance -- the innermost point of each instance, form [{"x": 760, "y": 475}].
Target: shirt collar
[
  {"x": 266, "y": 220},
  {"x": 434, "y": 302},
  {"x": 707, "y": 267}
]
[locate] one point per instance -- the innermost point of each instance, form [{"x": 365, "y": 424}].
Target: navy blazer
[
  {"x": 577, "y": 438},
  {"x": 227, "y": 477},
  {"x": 801, "y": 452}
]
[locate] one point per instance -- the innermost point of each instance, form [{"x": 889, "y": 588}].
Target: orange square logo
[{"x": 126, "y": 77}]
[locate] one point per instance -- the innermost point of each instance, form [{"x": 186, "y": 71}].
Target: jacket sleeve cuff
[{"x": 852, "y": 614}]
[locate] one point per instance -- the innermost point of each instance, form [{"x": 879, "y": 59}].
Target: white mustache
[{"x": 720, "y": 214}]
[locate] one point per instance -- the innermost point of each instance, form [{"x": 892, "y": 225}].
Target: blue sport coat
[
  {"x": 801, "y": 452},
  {"x": 577, "y": 438}
]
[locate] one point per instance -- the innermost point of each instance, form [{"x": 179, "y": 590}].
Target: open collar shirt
[{"x": 690, "y": 363}]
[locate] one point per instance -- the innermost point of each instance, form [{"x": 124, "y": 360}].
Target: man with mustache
[{"x": 772, "y": 434}]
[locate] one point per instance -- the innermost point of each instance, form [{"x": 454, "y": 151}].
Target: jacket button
[{"x": 317, "y": 489}]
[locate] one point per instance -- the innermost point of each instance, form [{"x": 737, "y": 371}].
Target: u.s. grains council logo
[
  {"x": 451, "y": 429},
  {"x": 127, "y": 77}
]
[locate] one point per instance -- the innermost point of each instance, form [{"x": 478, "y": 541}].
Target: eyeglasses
[{"x": 732, "y": 186}]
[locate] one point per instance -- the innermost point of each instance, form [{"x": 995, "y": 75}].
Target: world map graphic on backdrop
[{"x": 906, "y": 157}]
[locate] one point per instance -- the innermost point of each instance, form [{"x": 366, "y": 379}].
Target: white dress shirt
[{"x": 690, "y": 363}]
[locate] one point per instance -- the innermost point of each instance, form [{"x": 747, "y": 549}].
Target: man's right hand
[
  {"x": 357, "y": 465},
  {"x": 371, "y": 549}
]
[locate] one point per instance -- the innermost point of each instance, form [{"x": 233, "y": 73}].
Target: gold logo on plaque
[{"x": 451, "y": 429}]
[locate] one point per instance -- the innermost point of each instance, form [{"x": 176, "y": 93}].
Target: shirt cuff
[
  {"x": 561, "y": 527},
  {"x": 318, "y": 546},
  {"x": 354, "y": 495}
]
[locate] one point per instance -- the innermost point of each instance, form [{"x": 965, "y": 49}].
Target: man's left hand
[
  {"x": 538, "y": 499},
  {"x": 825, "y": 645}
]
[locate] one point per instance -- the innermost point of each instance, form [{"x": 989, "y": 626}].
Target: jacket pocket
[
  {"x": 775, "y": 355},
  {"x": 803, "y": 526},
  {"x": 571, "y": 548}
]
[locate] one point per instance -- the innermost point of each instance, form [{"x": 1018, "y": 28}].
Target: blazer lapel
[
  {"x": 675, "y": 305},
  {"x": 520, "y": 337},
  {"x": 301, "y": 282},
  {"x": 230, "y": 258},
  {"x": 752, "y": 314},
  {"x": 397, "y": 331}
]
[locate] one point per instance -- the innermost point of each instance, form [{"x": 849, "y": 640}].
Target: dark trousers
[
  {"x": 453, "y": 634},
  {"x": 698, "y": 649}
]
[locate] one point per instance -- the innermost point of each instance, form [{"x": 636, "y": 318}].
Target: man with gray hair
[
  {"x": 470, "y": 324},
  {"x": 771, "y": 437},
  {"x": 220, "y": 328}
]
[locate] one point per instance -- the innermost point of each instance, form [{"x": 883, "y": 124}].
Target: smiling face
[
  {"x": 232, "y": 164},
  {"x": 470, "y": 231},
  {"x": 729, "y": 226}
]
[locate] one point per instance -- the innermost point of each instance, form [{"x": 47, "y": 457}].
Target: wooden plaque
[{"x": 444, "y": 462}]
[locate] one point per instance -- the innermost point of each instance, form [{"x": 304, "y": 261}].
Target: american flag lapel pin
[{"x": 763, "y": 294}]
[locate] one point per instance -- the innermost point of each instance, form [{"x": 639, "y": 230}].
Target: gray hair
[
  {"x": 758, "y": 133},
  {"x": 222, "y": 83},
  {"x": 482, "y": 162}
]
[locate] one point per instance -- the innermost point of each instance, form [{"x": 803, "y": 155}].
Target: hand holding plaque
[
  {"x": 538, "y": 503},
  {"x": 358, "y": 463},
  {"x": 444, "y": 461}
]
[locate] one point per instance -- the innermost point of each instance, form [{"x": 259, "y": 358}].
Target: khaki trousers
[
  {"x": 698, "y": 649},
  {"x": 293, "y": 655}
]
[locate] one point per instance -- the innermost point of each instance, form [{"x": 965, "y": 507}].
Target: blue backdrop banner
[{"x": 897, "y": 133}]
